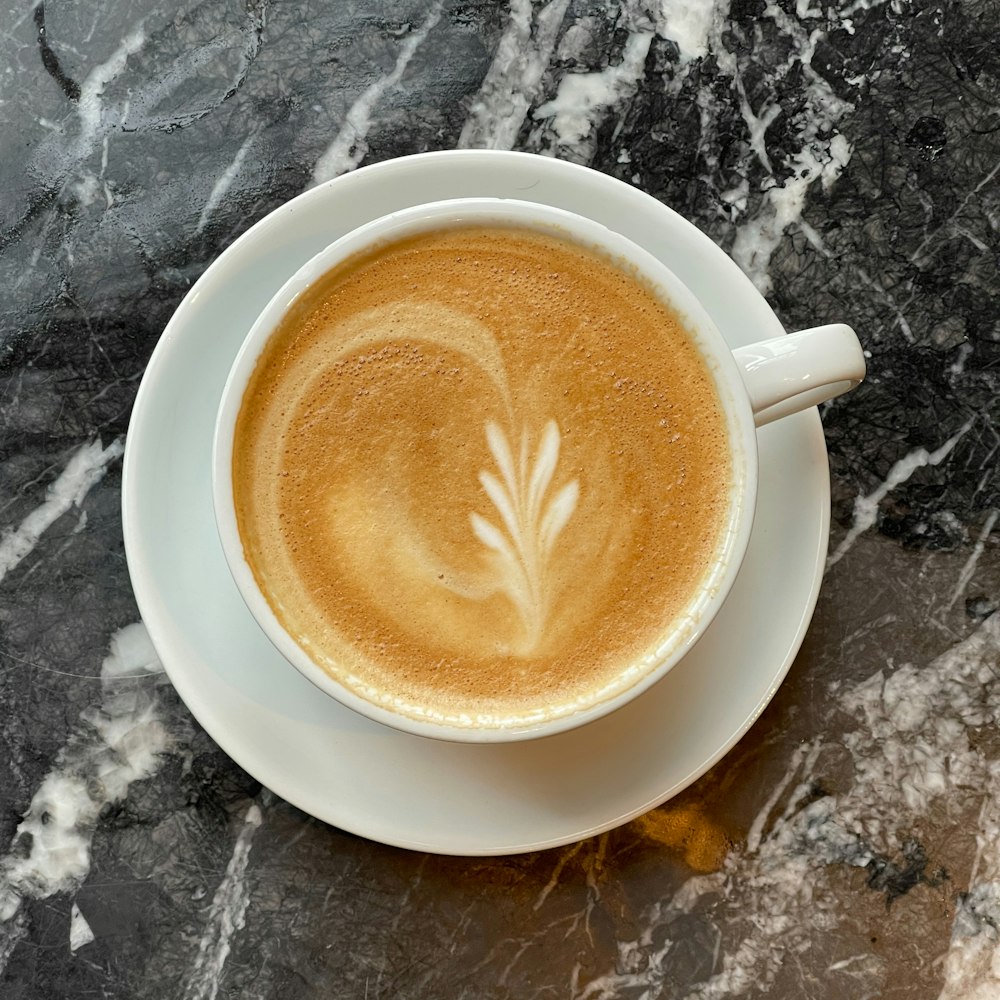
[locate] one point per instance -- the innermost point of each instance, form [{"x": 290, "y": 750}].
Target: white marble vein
[
  {"x": 567, "y": 855},
  {"x": 972, "y": 963},
  {"x": 689, "y": 24},
  {"x": 118, "y": 741},
  {"x": 566, "y": 125},
  {"x": 80, "y": 933},
  {"x": 12, "y": 932},
  {"x": 512, "y": 82},
  {"x": 783, "y": 204},
  {"x": 866, "y": 507},
  {"x": 965, "y": 576},
  {"x": 145, "y": 105},
  {"x": 59, "y": 160},
  {"x": 350, "y": 145},
  {"x": 84, "y": 470},
  {"x": 949, "y": 224},
  {"x": 889, "y": 299},
  {"x": 90, "y": 106},
  {"x": 226, "y": 916},
  {"x": 911, "y": 752},
  {"x": 583, "y": 100},
  {"x": 221, "y": 187},
  {"x": 820, "y": 152}
]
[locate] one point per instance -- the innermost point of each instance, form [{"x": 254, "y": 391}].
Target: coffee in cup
[{"x": 480, "y": 474}]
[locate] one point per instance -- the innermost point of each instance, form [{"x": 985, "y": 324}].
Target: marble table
[{"x": 845, "y": 153}]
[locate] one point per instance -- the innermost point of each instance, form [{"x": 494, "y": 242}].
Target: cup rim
[{"x": 451, "y": 213}]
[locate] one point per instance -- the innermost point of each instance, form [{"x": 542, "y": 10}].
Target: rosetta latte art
[{"x": 523, "y": 548}]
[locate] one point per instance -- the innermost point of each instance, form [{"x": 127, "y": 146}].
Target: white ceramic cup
[{"x": 757, "y": 384}]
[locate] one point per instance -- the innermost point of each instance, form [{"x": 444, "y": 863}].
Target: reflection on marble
[{"x": 846, "y": 154}]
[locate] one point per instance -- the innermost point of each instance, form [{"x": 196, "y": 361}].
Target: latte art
[
  {"x": 524, "y": 548},
  {"x": 479, "y": 474}
]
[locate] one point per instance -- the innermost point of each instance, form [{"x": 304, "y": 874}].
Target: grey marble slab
[{"x": 846, "y": 154}]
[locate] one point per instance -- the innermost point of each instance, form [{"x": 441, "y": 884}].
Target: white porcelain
[
  {"x": 758, "y": 381},
  {"x": 787, "y": 374},
  {"x": 377, "y": 781}
]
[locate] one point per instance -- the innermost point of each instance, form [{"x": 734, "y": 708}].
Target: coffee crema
[{"x": 479, "y": 474}]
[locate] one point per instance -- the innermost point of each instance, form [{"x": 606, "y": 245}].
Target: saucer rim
[{"x": 809, "y": 425}]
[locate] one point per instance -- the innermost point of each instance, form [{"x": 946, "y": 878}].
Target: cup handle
[{"x": 790, "y": 373}]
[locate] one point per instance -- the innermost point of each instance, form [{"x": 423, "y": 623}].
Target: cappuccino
[{"x": 480, "y": 473}]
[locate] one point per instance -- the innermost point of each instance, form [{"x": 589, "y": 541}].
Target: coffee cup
[{"x": 485, "y": 470}]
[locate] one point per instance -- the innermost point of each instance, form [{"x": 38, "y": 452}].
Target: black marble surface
[{"x": 846, "y": 154}]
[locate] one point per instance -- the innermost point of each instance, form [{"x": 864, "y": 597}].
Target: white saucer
[{"x": 374, "y": 781}]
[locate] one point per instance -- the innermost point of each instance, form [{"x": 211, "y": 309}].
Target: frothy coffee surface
[{"x": 479, "y": 474}]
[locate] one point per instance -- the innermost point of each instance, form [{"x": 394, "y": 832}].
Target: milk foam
[
  {"x": 480, "y": 474},
  {"x": 522, "y": 548}
]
